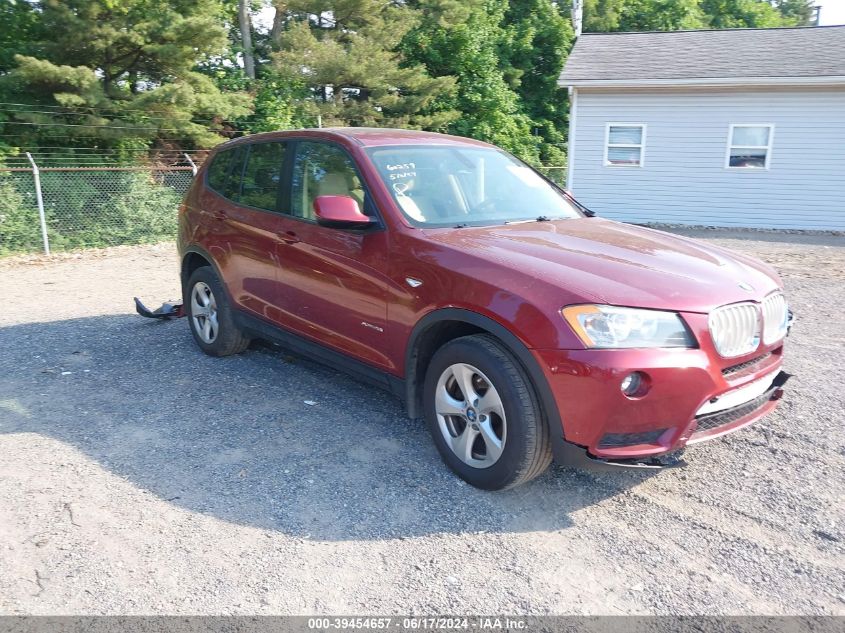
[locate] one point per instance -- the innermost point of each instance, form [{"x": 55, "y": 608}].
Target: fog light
[{"x": 631, "y": 384}]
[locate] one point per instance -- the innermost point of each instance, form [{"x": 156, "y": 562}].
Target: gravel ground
[{"x": 138, "y": 476}]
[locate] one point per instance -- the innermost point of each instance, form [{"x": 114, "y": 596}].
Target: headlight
[{"x": 611, "y": 327}]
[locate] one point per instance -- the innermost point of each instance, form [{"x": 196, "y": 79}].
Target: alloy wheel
[
  {"x": 470, "y": 415},
  {"x": 204, "y": 312}
]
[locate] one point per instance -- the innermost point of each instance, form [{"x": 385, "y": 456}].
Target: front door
[{"x": 333, "y": 281}]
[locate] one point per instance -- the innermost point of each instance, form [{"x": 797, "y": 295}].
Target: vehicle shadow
[{"x": 264, "y": 439}]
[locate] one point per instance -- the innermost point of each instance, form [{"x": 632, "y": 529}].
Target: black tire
[
  {"x": 229, "y": 339},
  {"x": 526, "y": 452}
]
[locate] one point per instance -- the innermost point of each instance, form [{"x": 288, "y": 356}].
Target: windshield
[{"x": 453, "y": 186}]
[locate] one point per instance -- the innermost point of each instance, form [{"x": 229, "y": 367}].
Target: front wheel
[{"x": 483, "y": 414}]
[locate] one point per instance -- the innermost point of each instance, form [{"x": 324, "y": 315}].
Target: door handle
[
  {"x": 218, "y": 215},
  {"x": 288, "y": 237}
]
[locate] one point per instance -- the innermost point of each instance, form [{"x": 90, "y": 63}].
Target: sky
[
  {"x": 833, "y": 12},
  {"x": 264, "y": 20}
]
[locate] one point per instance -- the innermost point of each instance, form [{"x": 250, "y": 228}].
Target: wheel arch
[
  {"x": 193, "y": 258},
  {"x": 441, "y": 326}
]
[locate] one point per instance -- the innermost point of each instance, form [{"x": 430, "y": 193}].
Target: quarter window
[
  {"x": 624, "y": 144},
  {"x": 749, "y": 146},
  {"x": 322, "y": 170},
  {"x": 261, "y": 176}
]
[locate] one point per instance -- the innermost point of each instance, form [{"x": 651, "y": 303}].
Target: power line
[
  {"x": 94, "y": 160},
  {"x": 57, "y": 107},
  {"x": 111, "y": 116},
  {"x": 92, "y": 136},
  {"x": 116, "y": 127},
  {"x": 71, "y": 156},
  {"x": 107, "y": 149},
  {"x": 114, "y": 116},
  {"x": 116, "y": 154},
  {"x": 88, "y": 156},
  {"x": 114, "y": 149},
  {"x": 118, "y": 116}
]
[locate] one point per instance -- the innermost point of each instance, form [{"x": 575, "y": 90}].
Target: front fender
[{"x": 520, "y": 351}]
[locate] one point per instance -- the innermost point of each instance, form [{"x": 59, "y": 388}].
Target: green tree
[
  {"x": 731, "y": 14},
  {"x": 120, "y": 73},
  {"x": 466, "y": 43},
  {"x": 278, "y": 102},
  {"x": 602, "y": 16},
  {"x": 797, "y": 12},
  {"x": 344, "y": 56},
  {"x": 19, "y": 227},
  {"x": 20, "y": 31},
  {"x": 537, "y": 40},
  {"x": 672, "y": 15},
  {"x": 660, "y": 15}
]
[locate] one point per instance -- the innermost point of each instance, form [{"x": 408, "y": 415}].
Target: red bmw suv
[{"x": 520, "y": 326}]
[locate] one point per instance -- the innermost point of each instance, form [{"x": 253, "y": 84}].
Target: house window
[
  {"x": 749, "y": 146},
  {"x": 624, "y": 144}
]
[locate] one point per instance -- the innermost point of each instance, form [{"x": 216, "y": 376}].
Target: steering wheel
[{"x": 485, "y": 205}]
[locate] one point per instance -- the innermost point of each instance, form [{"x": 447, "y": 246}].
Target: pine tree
[
  {"x": 120, "y": 73},
  {"x": 344, "y": 53},
  {"x": 20, "y": 32}
]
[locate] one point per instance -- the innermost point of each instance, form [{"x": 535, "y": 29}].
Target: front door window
[{"x": 322, "y": 170}]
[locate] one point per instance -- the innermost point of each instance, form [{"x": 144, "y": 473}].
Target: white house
[{"x": 740, "y": 127}]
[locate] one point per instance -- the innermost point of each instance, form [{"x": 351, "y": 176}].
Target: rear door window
[
  {"x": 262, "y": 176},
  {"x": 224, "y": 173},
  {"x": 218, "y": 171}
]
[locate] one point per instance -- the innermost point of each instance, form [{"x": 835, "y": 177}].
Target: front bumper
[{"x": 601, "y": 425}]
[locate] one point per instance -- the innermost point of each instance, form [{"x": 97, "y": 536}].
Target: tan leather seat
[{"x": 334, "y": 184}]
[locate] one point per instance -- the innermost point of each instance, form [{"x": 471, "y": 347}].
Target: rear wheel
[
  {"x": 210, "y": 315},
  {"x": 483, "y": 414}
]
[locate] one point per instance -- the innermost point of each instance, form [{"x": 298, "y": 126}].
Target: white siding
[{"x": 684, "y": 179}]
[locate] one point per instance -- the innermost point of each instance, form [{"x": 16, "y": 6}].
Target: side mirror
[{"x": 340, "y": 212}]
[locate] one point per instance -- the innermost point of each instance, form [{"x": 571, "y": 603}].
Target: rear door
[
  {"x": 333, "y": 282},
  {"x": 243, "y": 201}
]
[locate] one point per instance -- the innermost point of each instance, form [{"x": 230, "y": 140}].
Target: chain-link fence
[
  {"x": 20, "y": 228},
  {"x": 85, "y": 207}
]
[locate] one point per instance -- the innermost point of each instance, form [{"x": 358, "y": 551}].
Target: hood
[{"x": 603, "y": 261}]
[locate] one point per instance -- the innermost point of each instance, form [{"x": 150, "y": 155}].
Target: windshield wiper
[
  {"x": 516, "y": 221},
  {"x": 542, "y": 218},
  {"x": 460, "y": 225}
]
